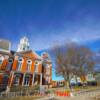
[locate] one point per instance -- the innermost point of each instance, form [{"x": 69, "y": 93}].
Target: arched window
[
  {"x": 29, "y": 63},
  {"x": 1, "y": 60},
  {"x": 36, "y": 66},
  {"x": 20, "y": 62},
  {"x": 10, "y": 62}
]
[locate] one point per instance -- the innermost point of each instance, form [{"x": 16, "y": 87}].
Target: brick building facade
[{"x": 24, "y": 68}]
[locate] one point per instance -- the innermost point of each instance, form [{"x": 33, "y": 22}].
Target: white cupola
[{"x": 23, "y": 45}]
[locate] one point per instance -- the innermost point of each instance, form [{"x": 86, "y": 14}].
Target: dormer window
[
  {"x": 20, "y": 62},
  {"x": 10, "y": 62},
  {"x": 36, "y": 66},
  {"x": 29, "y": 63}
]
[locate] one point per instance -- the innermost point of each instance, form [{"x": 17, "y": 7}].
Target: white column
[
  {"x": 41, "y": 79},
  {"x": 23, "y": 79},
  {"x": 33, "y": 79}
]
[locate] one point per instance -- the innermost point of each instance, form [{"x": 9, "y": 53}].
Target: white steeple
[{"x": 24, "y": 44}]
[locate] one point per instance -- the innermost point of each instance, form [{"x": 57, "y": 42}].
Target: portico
[{"x": 32, "y": 79}]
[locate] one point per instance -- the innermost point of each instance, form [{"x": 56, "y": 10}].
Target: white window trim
[
  {"x": 9, "y": 63},
  {"x": 10, "y": 60},
  {"x": 1, "y": 58},
  {"x": 21, "y": 63},
  {"x": 29, "y": 64},
  {"x": 21, "y": 59},
  {"x": 36, "y": 66}
]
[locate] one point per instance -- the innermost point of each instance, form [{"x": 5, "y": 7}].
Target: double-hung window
[
  {"x": 29, "y": 63},
  {"x": 26, "y": 80},
  {"x": 10, "y": 62},
  {"x": 16, "y": 81},
  {"x": 36, "y": 66},
  {"x": 20, "y": 62}
]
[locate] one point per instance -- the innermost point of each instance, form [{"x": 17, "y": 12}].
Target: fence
[{"x": 61, "y": 93}]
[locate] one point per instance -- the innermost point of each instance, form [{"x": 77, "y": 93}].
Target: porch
[{"x": 26, "y": 79}]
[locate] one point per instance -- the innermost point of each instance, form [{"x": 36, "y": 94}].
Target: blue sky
[{"x": 47, "y": 22}]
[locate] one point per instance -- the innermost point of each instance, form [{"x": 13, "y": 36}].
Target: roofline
[
  {"x": 4, "y": 52},
  {"x": 28, "y": 51},
  {"x": 22, "y": 52}
]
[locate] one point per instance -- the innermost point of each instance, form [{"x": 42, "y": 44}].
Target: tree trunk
[{"x": 67, "y": 82}]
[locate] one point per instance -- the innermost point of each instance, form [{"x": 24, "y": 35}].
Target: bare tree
[{"x": 73, "y": 59}]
